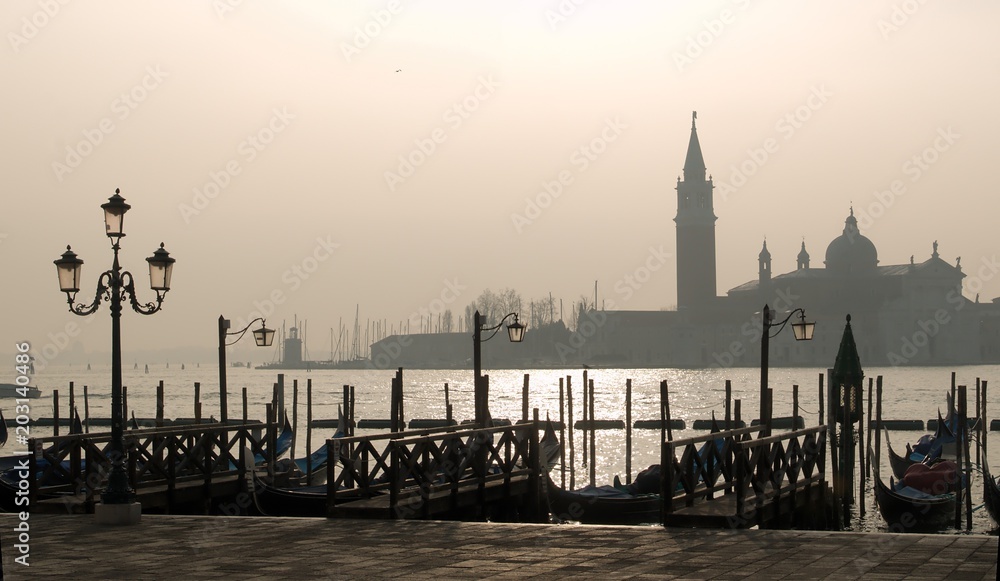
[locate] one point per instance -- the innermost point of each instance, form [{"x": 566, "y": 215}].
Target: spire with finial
[
  {"x": 935, "y": 253},
  {"x": 764, "y": 265},
  {"x": 803, "y": 258},
  {"x": 694, "y": 164}
]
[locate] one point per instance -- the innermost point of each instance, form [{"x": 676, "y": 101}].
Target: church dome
[{"x": 851, "y": 252}]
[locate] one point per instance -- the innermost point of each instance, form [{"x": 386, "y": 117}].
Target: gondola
[
  {"x": 906, "y": 509},
  {"x": 938, "y": 445},
  {"x": 280, "y": 501},
  {"x": 602, "y": 505},
  {"x": 991, "y": 493}
]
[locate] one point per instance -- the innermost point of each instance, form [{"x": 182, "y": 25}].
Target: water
[{"x": 908, "y": 393}]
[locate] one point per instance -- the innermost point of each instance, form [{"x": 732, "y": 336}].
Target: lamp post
[
  {"x": 515, "y": 332},
  {"x": 115, "y": 285},
  {"x": 802, "y": 330},
  {"x": 263, "y": 337}
]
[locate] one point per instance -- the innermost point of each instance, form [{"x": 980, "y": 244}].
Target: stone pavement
[{"x": 196, "y": 547}]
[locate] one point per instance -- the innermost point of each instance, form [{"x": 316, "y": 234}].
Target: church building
[{"x": 902, "y": 314}]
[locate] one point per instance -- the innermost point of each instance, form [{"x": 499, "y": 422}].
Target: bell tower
[{"x": 695, "y": 229}]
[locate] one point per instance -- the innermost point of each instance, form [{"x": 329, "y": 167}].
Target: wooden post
[
  {"x": 795, "y": 406},
  {"x": 822, "y": 401},
  {"x": 295, "y": 417},
  {"x": 958, "y": 456},
  {"x": 402, "y": 416},
  {"x": 124, "y": 406},
  {"x": 309, "y": 421},
  {"x": 279, "y": 399},
  {"x": 350, "y": 418},
  {"x": 86, "y": 410},
  {"x": 861, "y": 458},
  {"x": 736, "y": 412},
  {"x": 729, "y": 397},
  {"x": 831, "y": 397},
  {"x": 447, "y": 404},
  {"x": 963, "y": 404},
  {"x": 984, "y": 422},
  {"x": 393, "y": 406},
  {"x": 55, "y": 412},
  {"x": 593, "y": 437},
  {"x": 524, "y": 400},
  {"x": 159, "y": 404},
  {"x": 197, "y": 400},
  {"x": 243, "y": 432},
  {"x": 665, "y": 397},
  {"x": 954, "y": 403},
  {"x": 562, "y": 433},
  {"x": 72, "y": 404},
  {"x": 979, "y": 423},
  {"x": 878, "y": 424},
  {"x": 586, "y": 416},
  {"x": 272, "y": 427},
  {"x": 868, "y": 427},
  {"x": 628, "y": 431},
  {"x": 571, "y": 428}
]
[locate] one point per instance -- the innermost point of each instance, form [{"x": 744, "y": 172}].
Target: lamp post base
[{"x": 117, "y": 514}]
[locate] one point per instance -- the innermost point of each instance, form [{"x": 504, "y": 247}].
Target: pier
[{"x": 193, "y": 547}]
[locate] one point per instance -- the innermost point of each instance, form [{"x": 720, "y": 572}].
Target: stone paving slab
[{"x": 196, "y": 547}]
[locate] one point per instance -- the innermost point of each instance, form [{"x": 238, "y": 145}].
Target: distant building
[
  {"x": 901, "y": 314},
  {"x": 904, "y": 314}
]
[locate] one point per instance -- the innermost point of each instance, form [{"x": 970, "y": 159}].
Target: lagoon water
[{"x": 908, "y": 393}]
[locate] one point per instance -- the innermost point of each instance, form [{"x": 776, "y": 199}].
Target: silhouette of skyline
[{"x": 360, "y": 157}]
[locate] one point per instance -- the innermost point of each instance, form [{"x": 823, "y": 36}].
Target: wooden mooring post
[
  {"x": 197, "y": 402},
  {"x": 309, "y": 421},
  {"x": 562, "y": 433},
  {"x": 159, "y": 404},
  {"x": 72, "y": 404},
  {"x": 295, "y": 418},
  {"x": 729, "y": 397},
  {"x": 593, "y": 438},
  {"x": 628, "y": 431},
  {"x": 55, "y": 412},
  {"x": 665, "y": 412},
  {"x": 524, "y": 399},
  {"x": 571, "y": 428},
  {"x": 86, "y": 411},
  {"x": 586, "y": 416},
  {"x": 868, "y": 427}
]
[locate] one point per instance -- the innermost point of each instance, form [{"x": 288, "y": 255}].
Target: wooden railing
[
  {"x": 79, "y": 463},
  {"x": 780, "y": 465},
  {"x": 414, "y": 465},
  {"x": 756, "y": 470},
  {"x": 703, "y": 467}
]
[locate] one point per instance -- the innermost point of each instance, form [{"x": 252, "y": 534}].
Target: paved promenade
[{"x": 191, "y": 547}]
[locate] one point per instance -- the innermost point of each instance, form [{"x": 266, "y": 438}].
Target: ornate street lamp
[
  {"x": 802, "y": 330},
  {"x": 115, "y": 285},
  {"x": 263, "y": 337},
  {"x": 515, "y": 332}
]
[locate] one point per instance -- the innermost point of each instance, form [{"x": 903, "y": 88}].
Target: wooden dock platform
[{"x": 200, "y": 547}]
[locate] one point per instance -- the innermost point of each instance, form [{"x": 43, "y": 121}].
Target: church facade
[{"x": 902, "y": 314}]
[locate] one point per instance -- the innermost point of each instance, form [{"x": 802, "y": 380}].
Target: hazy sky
[{"x": 256, "y": 138}]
